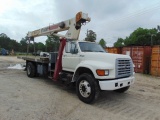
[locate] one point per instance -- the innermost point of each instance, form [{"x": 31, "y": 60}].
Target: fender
[{"x": 93, "y": 66}]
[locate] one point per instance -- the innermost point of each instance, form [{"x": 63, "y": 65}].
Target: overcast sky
[{"x": 110, "y": 19}]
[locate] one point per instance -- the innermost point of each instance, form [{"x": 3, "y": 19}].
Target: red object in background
[
  {"x": 155, "y": 61},
  {"x": 58, "y": 66},
  {"x": 115, "y": 50},
  {"x": 141, "y": 57}
]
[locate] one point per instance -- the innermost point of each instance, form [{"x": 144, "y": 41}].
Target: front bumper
[{"x": 116, "y": 84}]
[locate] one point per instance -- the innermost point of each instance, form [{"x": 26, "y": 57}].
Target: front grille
[{"x": 124, "y": 67}]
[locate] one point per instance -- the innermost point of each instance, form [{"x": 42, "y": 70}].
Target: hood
[{"x": 104, "y": 57}]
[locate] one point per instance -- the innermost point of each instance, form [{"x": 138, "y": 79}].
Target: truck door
[{"x": 70, "y": 58}]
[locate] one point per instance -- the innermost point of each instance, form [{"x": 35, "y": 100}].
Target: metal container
[
  {"x": 141, "y": 57},
  {"x": 127, "y": 50},
  {"x": 114, "y": 50},
  {"x": 155, "y": 61}
]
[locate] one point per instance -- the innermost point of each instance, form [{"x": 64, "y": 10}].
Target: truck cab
[{"x": 110, "y": 71}]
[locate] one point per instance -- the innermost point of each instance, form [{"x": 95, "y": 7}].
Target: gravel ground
[{"x": 23, "y": 98}]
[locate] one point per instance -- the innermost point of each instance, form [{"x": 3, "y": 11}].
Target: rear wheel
[
  {"x": 87, "y": 88},
  {"x": 122, "y": 90},
  {"x": 31, "y": 70}
]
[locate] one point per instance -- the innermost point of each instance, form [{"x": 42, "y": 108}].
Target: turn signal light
[{"x": 102, "y": 72}]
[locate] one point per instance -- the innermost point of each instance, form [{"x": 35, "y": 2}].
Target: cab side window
[
  {"x": 70, "y": 46},
  {"x": 73, "y": 47}
]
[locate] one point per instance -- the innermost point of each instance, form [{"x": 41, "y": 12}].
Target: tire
[
  {"x": 122, "y": 90},
  {"x": 87, "y": 88},
  {"x": 31, "y": 70}
]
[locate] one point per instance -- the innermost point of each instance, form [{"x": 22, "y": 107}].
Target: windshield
[{"x": 90, "y": 47}]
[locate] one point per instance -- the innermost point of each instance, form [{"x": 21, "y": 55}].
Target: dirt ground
[{"x": 23, "y": 98}]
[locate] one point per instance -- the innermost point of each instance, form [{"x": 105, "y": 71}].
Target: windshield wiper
[{"x": 99, "y": 51}]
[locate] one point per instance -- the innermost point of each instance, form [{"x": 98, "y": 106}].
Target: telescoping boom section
[{"x": 72, "y": 25}]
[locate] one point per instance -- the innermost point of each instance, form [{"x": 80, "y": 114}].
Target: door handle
[{"x": 81, "y": 55}]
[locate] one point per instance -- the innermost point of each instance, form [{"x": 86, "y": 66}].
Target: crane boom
[{"x": 72, "y": 25}]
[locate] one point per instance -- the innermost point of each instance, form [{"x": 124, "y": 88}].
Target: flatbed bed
[{"x": 35, "y": 59}]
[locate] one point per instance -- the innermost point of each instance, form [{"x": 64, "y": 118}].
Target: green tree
[
  {"x": 13, "y": 44},
  {"x": 102, "y": 42},
  {"x": 4, "y": 41},
  {"x": 23, "y": 44},
  {"x": 156, "y": 39},
  {"x": 142, "y": 37},
  {"x": 40, "y": 46},
  {"x": 90, "y": 36},
  {"x": 26, "y": 46},
  {"x": 119, "y": 43},
  {"x": 3, "y": 35},
  {"x": 8, "y": 43},
  {"x": 52, "y": 43}
]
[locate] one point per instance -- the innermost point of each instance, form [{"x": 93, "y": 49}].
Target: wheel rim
[
  {"x": 85, "y": 88},
  {"x": 28, "y": 70}
]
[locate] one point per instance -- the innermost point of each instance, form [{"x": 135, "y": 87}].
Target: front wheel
[
  {"x": 87, "y": 88},
  {"x": 122, "y": 90}
]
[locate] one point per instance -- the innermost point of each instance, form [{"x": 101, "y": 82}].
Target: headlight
[{"x": 102, "y": 72}]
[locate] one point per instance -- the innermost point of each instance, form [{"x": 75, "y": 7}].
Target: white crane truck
[{"x": 84, "y": 64}]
